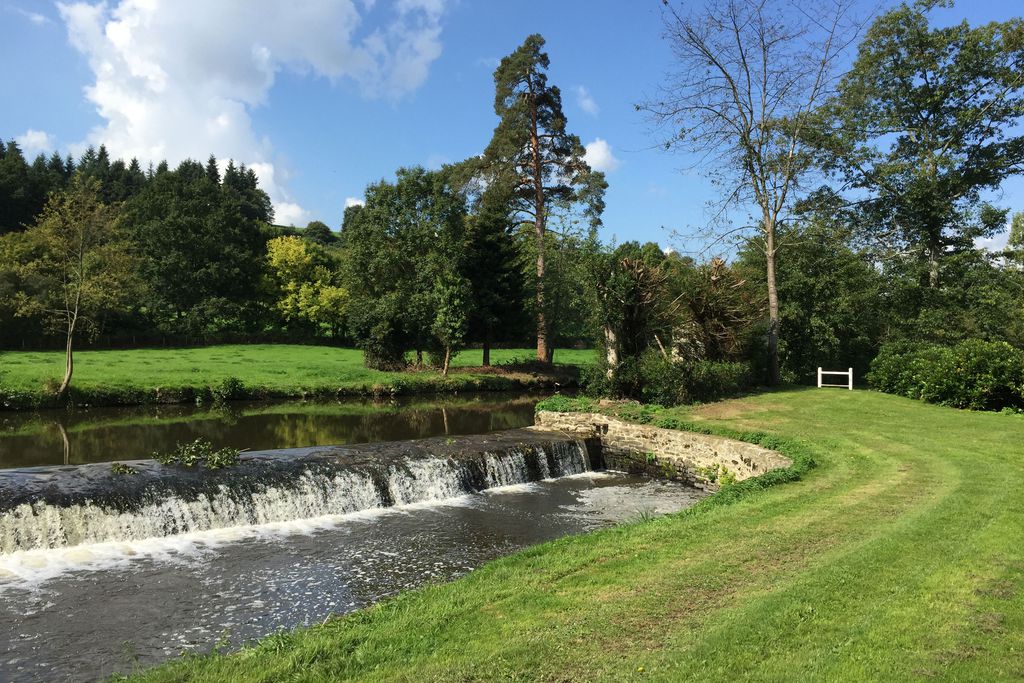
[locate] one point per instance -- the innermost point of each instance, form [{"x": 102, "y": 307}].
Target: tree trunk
[
  {"x": 487, "y": 350},
  {"x": 69, "y": 363},
  {"x": 611, "y": 351},
  {"x": 542, "y": 324},
  {"x": 773, "y": 307},
  {"x": 933, "y": 266},
  {"x": 447, "y": 360},
  {"x": 543, "y": 354},
  {"x": 66, "y": 441},
  {"x": 661, "y": 347},
  {"x": 419, "y": 358}
]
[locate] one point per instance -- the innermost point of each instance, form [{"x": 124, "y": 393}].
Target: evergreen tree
[
  {"x": 492, "y": 263},
  {"x": 542, "y": 163},
  {"x": 203, "y": 249},
  {"x": 212, "y": 171},
  {"x": 16, "y": 196},
  {"x": 135, "y": 179},
  {"x": 59, "y": 171}
]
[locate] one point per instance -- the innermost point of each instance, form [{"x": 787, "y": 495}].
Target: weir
[{"x": 65, "y": 506}]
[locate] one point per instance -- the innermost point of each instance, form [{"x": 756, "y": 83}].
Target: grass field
[
  {"x": 900, "y": 556},
  {"x": 279, "y": 369}
]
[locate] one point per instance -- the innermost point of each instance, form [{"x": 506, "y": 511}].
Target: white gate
[{"x": 849, "y": 378}]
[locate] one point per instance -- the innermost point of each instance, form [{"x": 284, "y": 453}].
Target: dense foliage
[
  {"x": 673, "y": 331},
  {"x": 971, "y": 374},
  {"x": 884, "y": 255},
  {"x": 653, "y": 378},
  {"x": 833, "y": 300}
]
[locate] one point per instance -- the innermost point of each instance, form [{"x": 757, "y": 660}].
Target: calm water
[
  {"x": 160, "y": 597},
  {"x": 104, "y": 434}
]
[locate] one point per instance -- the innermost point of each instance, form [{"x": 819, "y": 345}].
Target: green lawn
[
  {"x": 278, "y": 368},
  {"x": 899, "y": 557}
]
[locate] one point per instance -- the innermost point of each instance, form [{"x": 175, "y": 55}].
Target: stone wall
[{"x": 697, "y": 459}]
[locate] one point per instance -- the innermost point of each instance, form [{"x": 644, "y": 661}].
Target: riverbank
[
  {"x": 260, "y": 372},
  {"x": 898, "y": 556}
]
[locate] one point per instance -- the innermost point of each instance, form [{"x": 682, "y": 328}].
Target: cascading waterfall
[{"x": 76, "y": 506}]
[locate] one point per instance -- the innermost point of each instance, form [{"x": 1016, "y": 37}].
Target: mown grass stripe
[{"x": 900, "y": 556}]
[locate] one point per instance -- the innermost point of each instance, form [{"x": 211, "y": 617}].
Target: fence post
[
  {"x": 819, "y": 377},
  {"x": 851, "y": 379}
]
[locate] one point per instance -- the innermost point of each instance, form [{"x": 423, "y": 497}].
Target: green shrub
[
  {"x": 565, "y": 404},
  {"x": 189, "y": 454},
  {"x": 229, "y": 389},
  {"x": 225, "y": 457},
  {"x": 166, "y": 458},
  {"x": 121, "y": 468},
  {"x": 712, "y": 380},
  {"x": 652, "y": 378},
  {"x": 974, "y": 374},
  {"x": 199, "y": 451}
]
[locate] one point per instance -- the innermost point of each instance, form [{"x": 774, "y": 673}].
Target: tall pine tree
[{"x": 541, "y": 162}]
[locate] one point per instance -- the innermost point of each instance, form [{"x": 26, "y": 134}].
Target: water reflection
[{"x": 105, "y": 434}]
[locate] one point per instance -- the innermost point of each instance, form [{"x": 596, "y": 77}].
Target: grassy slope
[
  {"x": 900, "y": 556},
  {"x": 278, "y": 368}
]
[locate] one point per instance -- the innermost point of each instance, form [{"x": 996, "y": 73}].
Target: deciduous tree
[
  {"x": 77, "y": 265},
  {"x": 307, "y": 288},
  {"x": 926, "y": 124},
  {"x": 748, "y": 78}
]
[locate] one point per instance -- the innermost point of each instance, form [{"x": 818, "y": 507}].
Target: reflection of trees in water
[
  {"x": 69, "y": 439},
  {"x": 226, "y": 414},
  {"x": 65, "y": 442}
]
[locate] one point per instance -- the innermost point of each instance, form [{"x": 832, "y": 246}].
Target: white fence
[{"x": 849, "y": 378}]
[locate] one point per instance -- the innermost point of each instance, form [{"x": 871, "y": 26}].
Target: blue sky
[{"x": 324, "y": 101}]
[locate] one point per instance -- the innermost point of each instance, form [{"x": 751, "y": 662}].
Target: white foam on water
[
  {"x": 505, "y": 468},
  {"x": 43, "y": 526},
  {"x": 28, "y": 569},
  {"x": 424, "y": 480},
  {"x": 40, "y": 542}
]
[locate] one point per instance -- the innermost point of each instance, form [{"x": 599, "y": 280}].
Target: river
[{"x": 102, "y": 573}]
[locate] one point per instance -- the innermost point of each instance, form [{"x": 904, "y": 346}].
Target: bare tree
[{"x": 748, "y": 80}]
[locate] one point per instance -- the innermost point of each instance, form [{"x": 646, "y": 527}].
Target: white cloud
[
  {"x": 35, "y": 141},
  {"x": 585, "y": 101},
  {"x": 34, "y": 17},
  {"x": 996, "y": 243},
  {"x": 176, "y": 80},
  {"x": 290, "y": 213},
  {"x": 354, "y": 201},
  {"x": 599, "y": 156}
]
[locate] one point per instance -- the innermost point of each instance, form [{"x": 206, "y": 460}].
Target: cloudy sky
[{"x": 322, "y": 97}]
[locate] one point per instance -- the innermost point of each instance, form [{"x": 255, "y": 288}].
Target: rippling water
[{"x": 121, "y": 605}]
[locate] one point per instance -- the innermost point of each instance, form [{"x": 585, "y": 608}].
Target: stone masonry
[{"x": 697, "y": 459}]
